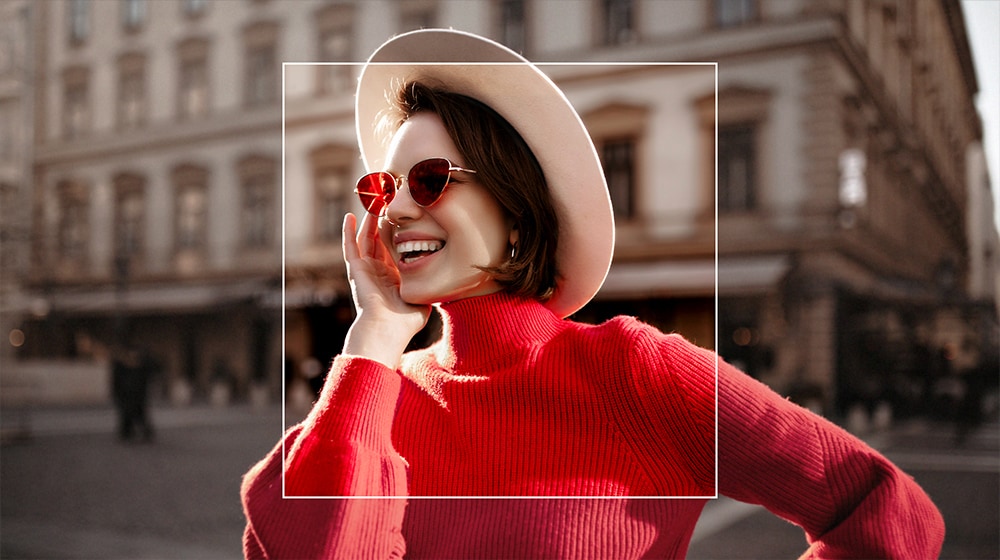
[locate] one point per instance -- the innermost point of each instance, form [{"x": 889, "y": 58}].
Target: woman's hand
[{"x": 385, "y": 323}]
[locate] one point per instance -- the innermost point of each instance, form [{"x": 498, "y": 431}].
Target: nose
[{"x": 402, "y": 207}]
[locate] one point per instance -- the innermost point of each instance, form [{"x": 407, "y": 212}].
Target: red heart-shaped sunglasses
[{"x": 426, "y": 180}]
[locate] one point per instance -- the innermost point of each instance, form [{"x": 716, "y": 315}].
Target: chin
[
  {"x": 474, "y": 288},
  {"x": 418, "y": 298}
]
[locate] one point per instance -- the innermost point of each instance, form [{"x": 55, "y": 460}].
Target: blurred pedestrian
[
  {"x": 975, "y": 375},
  {"x": 131, "y": 372},
  {"x": 494, "y": 210}
]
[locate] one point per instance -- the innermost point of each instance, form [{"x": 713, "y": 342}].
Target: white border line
[
  {"x": 715, "y": 326},
  {"x": 715, "y": 66},
  {"x": 284, "y": 260}
]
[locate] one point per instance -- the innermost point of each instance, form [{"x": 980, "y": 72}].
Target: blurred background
[{"x": 806, "y": 186}]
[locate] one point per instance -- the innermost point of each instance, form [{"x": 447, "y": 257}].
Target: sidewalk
[{"x": 70, "y": 489}]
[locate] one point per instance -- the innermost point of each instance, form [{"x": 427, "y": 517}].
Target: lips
[{"x": 410, "y": 251}]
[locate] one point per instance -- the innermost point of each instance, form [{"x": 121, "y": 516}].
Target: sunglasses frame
[{"x": 397, "y": 182}]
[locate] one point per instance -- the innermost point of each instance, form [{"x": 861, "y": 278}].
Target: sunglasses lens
[
  {"x": 427, "y": 180},
  {"x": 375, "y": 191}
]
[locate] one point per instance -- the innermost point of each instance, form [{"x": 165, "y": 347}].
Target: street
[
  {"x": 71, "y": 490},
  {"x": 74, "y": 491}
]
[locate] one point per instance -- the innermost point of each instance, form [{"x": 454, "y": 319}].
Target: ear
[{"x": 514, "y": 236}]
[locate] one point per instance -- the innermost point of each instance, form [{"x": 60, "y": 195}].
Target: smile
[{"x": 410, "y": 251}]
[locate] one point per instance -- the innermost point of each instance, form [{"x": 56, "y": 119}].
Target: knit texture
[{"x": 513, "y": 401}]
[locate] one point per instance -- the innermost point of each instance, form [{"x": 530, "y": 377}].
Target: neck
[{"x": 479, "y": 332}]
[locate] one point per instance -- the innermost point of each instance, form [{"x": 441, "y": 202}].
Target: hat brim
[{"x": 517, "y": 90}]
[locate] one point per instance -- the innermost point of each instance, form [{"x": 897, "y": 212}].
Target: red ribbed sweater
[{"x": 513, "y": 401}]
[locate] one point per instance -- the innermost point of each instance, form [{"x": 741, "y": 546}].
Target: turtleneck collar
[{"x": 485, "y": 331}]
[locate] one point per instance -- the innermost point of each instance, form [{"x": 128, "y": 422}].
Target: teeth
[{"x": 418, "y": 246}]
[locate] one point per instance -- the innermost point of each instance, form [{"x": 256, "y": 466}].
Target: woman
[{"x": 489, "y": 203}]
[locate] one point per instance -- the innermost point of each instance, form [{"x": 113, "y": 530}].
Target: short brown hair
[{"x": 508, "y": 170}]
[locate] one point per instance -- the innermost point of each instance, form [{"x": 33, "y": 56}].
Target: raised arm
[
  {"x": 343, "y": 448},
  {"x": 850, "y": 500}
]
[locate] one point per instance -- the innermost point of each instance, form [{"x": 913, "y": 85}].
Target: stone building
[
  {"x": 15, "y": 182},
  {"x": 164, "y": 207}
]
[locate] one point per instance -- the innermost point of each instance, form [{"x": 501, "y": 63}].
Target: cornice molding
[{"x": 226, "y": 127}]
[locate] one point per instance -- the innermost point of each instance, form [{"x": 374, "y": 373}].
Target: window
[
  {"x": 733, "y": 13},
  {"x": 331, "y": 203},
  {"x": 261, "y": 70},
  {"x": 332, "y": 166},
  {"x": 130, "y": 214},
  {"x": 193, "y": 92},
  {"x": 194, "y": 8},
  {"x": 133, "y": 14},
  {"x": 131, "y": 91},
  {"x": 513, "y": 32},
  {"x": 737, "y": 167},
  {"x": 734, "y": 180},
  {"x": 418, "y": 14},
  {"x": 618, "y": 130},
  {"x": 618, "y": 19},
  {"x": 191, "y": 208},
  {"x": 618, "y": 159},
  {"x": 334, "y": 39},
  {"x": 78, "y": 21},
  {"x": 11, "y": 124},
  {"x": 10, "y": 58},
  {"x": 73, "y": 227},
  {"x": 258, "y": 175},
  {"x": 76, "y": 103},
  {"x": 261, "y": 75}
]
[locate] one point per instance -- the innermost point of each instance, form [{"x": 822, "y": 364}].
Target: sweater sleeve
[
  {"x": 850, "y": 500},
  {"x": 343, "y": 448}
]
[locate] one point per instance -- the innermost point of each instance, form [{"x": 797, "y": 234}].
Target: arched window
[
  {"x": 193, "y": 99},
  {"x": 190, "y": 209},
  {"x": 261, "y": 64},
  {"x": 334, "y": 42},
  {"x": 332, "y": 189},
  {"x": 259, "y": 179},
  {"x": 73, "y": 230},
  {"x": 618, "y": 131},
  {"x": 131, "y": 90},
  {"x": 130, "y": 218}
]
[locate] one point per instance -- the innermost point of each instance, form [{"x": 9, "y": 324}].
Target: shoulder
[
  {"x": 631, "y": 349},
  {"x": 618, "y": 328},
  {"x": 635, "y": 339}
]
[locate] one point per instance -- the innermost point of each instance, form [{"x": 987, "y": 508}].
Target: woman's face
[{"x": 438, "y": 248}]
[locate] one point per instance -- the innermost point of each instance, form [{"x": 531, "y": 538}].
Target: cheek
[{"x": 491, "y": 239}]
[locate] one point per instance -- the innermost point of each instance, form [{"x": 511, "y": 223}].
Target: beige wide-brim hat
[{"x": 513, "y": 87}]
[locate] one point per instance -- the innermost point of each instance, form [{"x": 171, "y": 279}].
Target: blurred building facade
[
  {"x": 15, "y": 144},
  {"x": 847, "y": 212},
  {"x": 16, "y": 98}
]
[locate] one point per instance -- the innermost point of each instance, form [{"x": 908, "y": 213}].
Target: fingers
[
  {"x": 367, "y": 234},
  {"x": 363, "y": 241},
  {"x": 379, "y": 250},
  {"x": 348, "y": 239}
]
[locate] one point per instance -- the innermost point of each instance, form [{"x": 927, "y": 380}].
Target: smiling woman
[
  {"x": 486, "y": 202},
  {"x": 515, "y": 182},
  {"x": 466, "y": 225}
]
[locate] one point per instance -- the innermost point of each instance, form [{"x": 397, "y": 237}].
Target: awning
[
  {"x": 693, "y": 277},
  {"x": 156, "y": 298}
]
